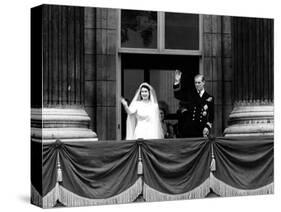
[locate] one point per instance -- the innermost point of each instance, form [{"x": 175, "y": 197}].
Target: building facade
[{"x": 93, "y": 56}]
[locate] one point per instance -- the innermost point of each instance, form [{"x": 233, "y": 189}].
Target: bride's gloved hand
[{"x": 123, "y": 101}]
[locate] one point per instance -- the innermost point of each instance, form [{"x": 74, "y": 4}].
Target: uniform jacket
[{"x": 198, "y": 112}]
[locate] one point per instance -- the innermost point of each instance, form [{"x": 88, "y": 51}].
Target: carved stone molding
[
  {"x": 50, "y": 124},
  {"x": 251, "y": 119}
]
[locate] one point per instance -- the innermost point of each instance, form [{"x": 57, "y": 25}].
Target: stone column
[
  {"x": 252, "y": 52},
  {"x": 57, "y": 74}
]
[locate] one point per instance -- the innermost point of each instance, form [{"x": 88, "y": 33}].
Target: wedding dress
[{"x": 144, "y": 120}]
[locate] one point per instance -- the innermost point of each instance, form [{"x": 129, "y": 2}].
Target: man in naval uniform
[{"x": 196, "y": 114}]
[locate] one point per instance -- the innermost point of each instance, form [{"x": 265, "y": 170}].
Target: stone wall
[
  {"x": 100, "y": 70},
  {"x": 217, "y": 66}
]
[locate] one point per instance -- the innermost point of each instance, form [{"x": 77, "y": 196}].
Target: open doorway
[{"x": 158, "y": 71}]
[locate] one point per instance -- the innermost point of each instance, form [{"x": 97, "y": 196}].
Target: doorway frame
[{"x": 160, "y": 50}]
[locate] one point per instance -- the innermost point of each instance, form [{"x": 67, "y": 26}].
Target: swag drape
[
  {"x": 174, "y": 169},
  {"x": 244, "y": 166},
  {"x": 91, "y": 173}
]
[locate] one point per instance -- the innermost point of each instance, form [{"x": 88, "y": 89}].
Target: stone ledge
[
  {"x": 251, "y": 119},
  {"x": 243, "y": 129},
  {"x": 60, "y": 133},
  {"x": 65, "y": 124},
  {"x": 45, "y": 114}
]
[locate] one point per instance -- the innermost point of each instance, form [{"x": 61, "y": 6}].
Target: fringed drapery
[
  {"x": 150, "y": 194},
  {"x": 36, "y": 197},
  {"x": 68, "y": 198},
  {"x": 51, "y": 198},
  {"x": 175, "y": 167},
  {"x": 225, "y": 190},
  {"x": 112, "y": 172},
  {"x": 242, "y": 164}
]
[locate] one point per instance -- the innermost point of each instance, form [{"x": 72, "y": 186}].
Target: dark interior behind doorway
[{"x": 157, "y": 70}]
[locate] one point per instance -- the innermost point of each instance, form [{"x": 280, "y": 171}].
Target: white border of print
[{"x": 15, "y": 102}]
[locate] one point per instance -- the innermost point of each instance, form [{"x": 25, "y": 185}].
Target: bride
[{"x": 143, "y": 120}]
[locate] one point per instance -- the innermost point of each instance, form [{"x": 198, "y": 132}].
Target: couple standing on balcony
[{"x": 195, "y": 114}]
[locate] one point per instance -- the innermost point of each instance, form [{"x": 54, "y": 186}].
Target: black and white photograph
[
  {"x": 132, "y": 106},
  {"x": 142, "y": 106}
]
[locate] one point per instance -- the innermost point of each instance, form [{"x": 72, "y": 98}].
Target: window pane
[
  {"x": 181, "y": 31},
  {"x": 138, "y": 29}
]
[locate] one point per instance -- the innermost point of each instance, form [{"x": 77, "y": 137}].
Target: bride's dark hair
[{"x": 147, "y": 87}]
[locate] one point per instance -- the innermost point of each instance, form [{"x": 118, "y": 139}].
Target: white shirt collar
[{"x": 201, "y": 92}]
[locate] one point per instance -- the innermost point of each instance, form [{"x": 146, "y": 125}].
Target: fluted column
[
  {"x": 63, "y": 56},
  {"x": 58, "y": 59},
  {"x": 252, "y": 52},
  {"x": 253, "y": 59}
]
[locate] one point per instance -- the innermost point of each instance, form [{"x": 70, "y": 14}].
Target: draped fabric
[
  {"x": 49, "y": 166},
  {"x": 243, "y": 163},
  {"x": 175, "y": 167},
  {"x": 90, "y": 170},
  {"x": 36, "y": 173},
  {"x": 36, "y": 165},
  {"x": 112, "y": 172},
  {"x": 94, "y": 169}
]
